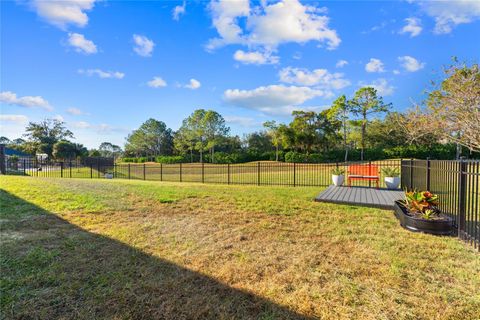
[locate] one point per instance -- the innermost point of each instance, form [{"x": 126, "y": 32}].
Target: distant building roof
[{"x": 12, "y": 152}]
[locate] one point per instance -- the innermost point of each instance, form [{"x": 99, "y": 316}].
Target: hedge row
[{"x": 440, "y": 152}]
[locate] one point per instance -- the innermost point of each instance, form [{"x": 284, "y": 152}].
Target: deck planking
[{"x": 361, "y": 196}]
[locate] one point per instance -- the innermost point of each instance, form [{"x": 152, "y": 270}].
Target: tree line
[{"x": 352, "y": 128}]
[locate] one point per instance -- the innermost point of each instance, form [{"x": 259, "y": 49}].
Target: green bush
[{"x": 171, "y": 159}]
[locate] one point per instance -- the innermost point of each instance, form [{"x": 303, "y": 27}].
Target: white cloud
[
  {"x": 157, "y": 82},
  {"x": 320, "y": 78},
  {"x": 242, "y": 121},
  {"x": 11, "y": 98},
  {"x": 76, "y": 112},
  {"x": 413, "y": 27},
  {"x": 270, "y": 25},
  {"x": 81, "y": 44},
  {"x": 193, "y": 84},
  {"x": 449, "y": 14},
  {"x": 273, "y": 99},
  {"x": 14, "y": 118},
  {"x": 382, "y": 86},
  {"x": 410, "y": 63},
  {"x": 396, "y": 72},
  {"x": 255, "y": 57},
  {"x": 81, "y": 125},
  {"x": 59, "y": 117},
  {"x": 375, "y": 65},
  {"x": 179, "y": 11},
  {"x": 63, "y": 13},
  {"x": 143, "y": 46},
  {"x": 341, "y": 63},
  {"x": 102, "y": 74}
]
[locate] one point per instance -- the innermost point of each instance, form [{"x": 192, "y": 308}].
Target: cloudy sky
[{"x": 104, "y": 67}]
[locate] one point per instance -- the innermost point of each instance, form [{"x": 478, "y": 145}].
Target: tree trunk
[
  {"x": 276, "y": 153},
  {"x": 364, "y": 126},
  {"x": 213, "y": 154},
  {"x": 201, "y": 156}
]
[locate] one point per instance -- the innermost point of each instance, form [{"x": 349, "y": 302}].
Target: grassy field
[
  {"x": 120, "y": 249},
  {"x": 263, "y": 172}
]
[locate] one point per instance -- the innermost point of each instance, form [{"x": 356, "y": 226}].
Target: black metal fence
[
  {"x": 457, "y": 182},
  {"x": 255, "y": 173}
]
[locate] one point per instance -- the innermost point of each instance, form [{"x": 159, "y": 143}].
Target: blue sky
[{"x": 104, "y": 67}]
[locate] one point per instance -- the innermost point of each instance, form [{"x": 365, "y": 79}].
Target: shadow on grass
[{"x": 51, "y": 268}]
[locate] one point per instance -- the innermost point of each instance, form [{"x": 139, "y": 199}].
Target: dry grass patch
[{"x": 134, "y": 249}]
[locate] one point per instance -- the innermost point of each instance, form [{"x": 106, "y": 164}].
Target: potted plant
[
  {"x": 338, "y": 176},
  {"x": 392, "y": 177},
  {"x": 419, "y": 212}
]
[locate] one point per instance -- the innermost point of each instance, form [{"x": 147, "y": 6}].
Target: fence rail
[
  {"x": 256, "y": 173},
  {"x": 457, "y": 182}
]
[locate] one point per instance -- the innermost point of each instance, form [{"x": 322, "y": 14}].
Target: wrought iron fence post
[
  {"x": 161, "y": 171},
  {"x": 462, "y": 197},
  {"x": 70, "y": 168},
  {"x": 180, "y": 172},
  {"x": 203, "y": 172},
  {"x": 98, "y": 169},
  {"x": 144, "y": 174},
  {"x": 114, "y": 170},
  {"x": 428, "y": 174},
  {"x": 370, "y": 173},
  {"x": 228, "y": 173},
  {"x": 61, "y": 169},
  {"x": 258, "y": 173},
  {"x": 91, "y": 171},
  {"x": 24, "y": 167},
  {"x": 129, "y": 171},
  {"x": 411, "y": 174},
  {"x": 294, "y": 174}
]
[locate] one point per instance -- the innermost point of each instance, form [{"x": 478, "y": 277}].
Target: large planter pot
[
  {"x": 442, "y": 226},
  {"x": 338, "y": 180},
  {"x": 392, "y": 182}
]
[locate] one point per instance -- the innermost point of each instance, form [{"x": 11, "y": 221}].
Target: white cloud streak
[
  {"x": 321, "y": 78},
  {"x": 411, "y": 64},
  {"x": 255, "y": 57},
  {"x": 193, "y": 84},
  {"x": 382, "y": 86},
  {"x": 102, "y": 74},
  {"x": 63, "y": 13},
  {"x": 270, "y": 24},
  {"x": 341, "y": 63},
  {"x": 179, "y": 11},
  {"x": 157, "y": 82},
  {"x": 273, "y": 99},
  {"x": 81, "y": 44},
  {"x": 11, "y": 98},
  {"x": 14, "y": 118},
  {"x": 143, "y": 46},
  {"x": 449, "y": 14},
  {"x": 375, "y": 65},
  {"x": 413, "y": 27}
]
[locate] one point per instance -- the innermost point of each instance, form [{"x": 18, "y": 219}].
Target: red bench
[{"x": 367, "y": 172}]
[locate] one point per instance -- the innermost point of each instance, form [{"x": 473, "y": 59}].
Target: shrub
[
  {"x": 391, "y": 171},
  {"x": 338, "y": 171},
  {"x": 423, "y": 203},
  {"x": 170, "y": 159}
]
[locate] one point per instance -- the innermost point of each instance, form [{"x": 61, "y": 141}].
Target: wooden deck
[{"x": 361, "y": 196}]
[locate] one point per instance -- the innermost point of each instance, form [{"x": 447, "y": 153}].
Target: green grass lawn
[
  {"x": 120, "y": 249},
  {"x": 254, "y": 173}
]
